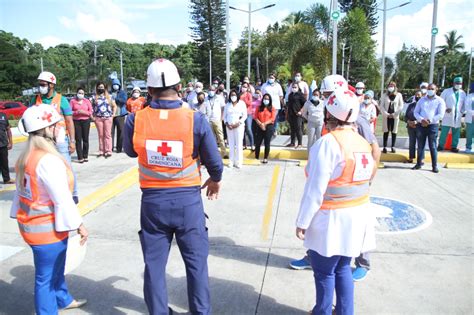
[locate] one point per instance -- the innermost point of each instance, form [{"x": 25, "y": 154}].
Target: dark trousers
[
  {"x": 431, "y": 133},
  {"x": 390, "y": 126},
  {"x": 296, "y": 129},
  {"x": 118, "y": 123},
  {"x": 4, "y": 164},
  {"x": 266, "y": 137},
  {"x": 81, "y": 128},
  {"x": 161, "y": 220}
]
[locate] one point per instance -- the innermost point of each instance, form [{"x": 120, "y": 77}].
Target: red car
[{"x": 12, "y": 108}]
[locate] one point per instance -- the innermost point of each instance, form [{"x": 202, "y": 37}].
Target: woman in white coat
[
  {"x": 235, "y": 114},
  {"x": 391, "y": 105},
  {"x": 44, "y": 208},
  {"x": 468, "y": 108}
]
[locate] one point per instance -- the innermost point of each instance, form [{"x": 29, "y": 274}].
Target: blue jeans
[
  {"x": 63, "y": 149},
  {"x": 412, "y": 144},
  {"x": 431, "y": 133},
  {"x": 248, "y": 130},
  {"x": 332, "y": 273},
  {"x": 51, "y": 291},
  {"x": 161, "y": 220}
]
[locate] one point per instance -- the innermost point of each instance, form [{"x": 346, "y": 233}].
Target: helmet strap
[{"x": 348, "y": 115}]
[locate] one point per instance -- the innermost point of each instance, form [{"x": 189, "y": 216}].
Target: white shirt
[
  {"x": 368, "y": 112},
  {"x": 432, "y": 109},
  {"x": 312, "y": 113},
  {"x": 453, "y": 119},
  {"x": 347, "y": 232},
  {"x": 468, "y": 108},
  {"x": 234, "y": 114},
  {"x": 304, "y": 88},
  {"x": 217, "y": 103},
  {"x": 275, "y": 92},
  {"x": 53, "y": 185}
]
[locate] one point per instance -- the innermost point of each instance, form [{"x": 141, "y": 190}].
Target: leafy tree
[
  {"x": 368, "y": 6},
  {"x": 318, "y": 16},
  {"x": 294, "y": 18},
  {"x": 412, "y": 67},
  {"x": 453, "y": 44}
]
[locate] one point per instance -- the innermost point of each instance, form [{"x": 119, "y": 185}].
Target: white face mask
[
  {"x": 314, "y": 98},
  {"x": 135, "y": 95},
  {"x": 391, "y": 89},
  {"x": 457, "y": 86},
  {"x": 359, "y": 91},
  {"x": 43, "y": 90},
  {"x": 271, "y": 81},
  {"x": 80, "y": 96},
  {"x": 423, "y": 91},
  {"x": 294, "y": 90},
  {"x": 297, "y": 78},
  {"x": 115, "y": 86},
  {"x": 266, "y": 102},
  {"x": 233, "y": 98},
  {"x": 431, "y": 93},
  {"x": 198, "y": 90},
  {"x": 366, "y": 102},
  {"x": 244, "y": 90},
  {"x": 211, "y": 94}
]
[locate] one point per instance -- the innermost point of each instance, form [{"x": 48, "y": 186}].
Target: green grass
[
  {"x": 402, "y": 128},
  {"x": 13, "y": 122}
]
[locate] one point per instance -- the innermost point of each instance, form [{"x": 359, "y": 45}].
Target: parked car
[{"x": 12, "y": 108}]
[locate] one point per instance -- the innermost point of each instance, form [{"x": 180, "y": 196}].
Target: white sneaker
[{"x": 230, "y": 166}]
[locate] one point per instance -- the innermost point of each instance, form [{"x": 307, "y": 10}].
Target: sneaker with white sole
[
  {"x": 359, "y": 274},
  {"x": 301, "y": 264}
]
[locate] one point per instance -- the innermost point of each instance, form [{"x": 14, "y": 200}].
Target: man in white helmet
[
  {"x": 335, "y": 220},
  {"x": 360, "y": 87},
  {"x": 65, "y": 142},
  {"x": 171, "y": 141}
]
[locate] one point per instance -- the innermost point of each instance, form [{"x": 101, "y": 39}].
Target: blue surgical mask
[
  {"x": 431, "y": 93},
  {"x": 271, "y": 81},
  {"x": 211, "y": 94}
]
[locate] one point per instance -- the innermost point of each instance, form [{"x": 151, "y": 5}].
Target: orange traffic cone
[{"x": 449, "y": 141}]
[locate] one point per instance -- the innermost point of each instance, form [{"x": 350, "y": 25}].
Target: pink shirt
[{"x": 85, "y": 106}]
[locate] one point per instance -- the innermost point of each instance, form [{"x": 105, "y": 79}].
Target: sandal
[{"x": 76, "y": 304}]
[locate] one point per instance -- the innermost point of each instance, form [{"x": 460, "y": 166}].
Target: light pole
[
  {"x": 470, "y": 72},
  {"x": 227, "y": 48},
  {"x": 335, "y": 16},
  {"x": 250, "y": 11},
  {"x": 119, "y": 51},
  {"x": 434, "y": 31}
]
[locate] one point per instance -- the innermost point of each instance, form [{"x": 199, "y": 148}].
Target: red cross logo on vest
[
  {"x": 348, "y": 92},
  {"x": 164, "y": 149},
  {"x": 47, "y": 116},
  {"x": 364, "y": 161},
  {"x": 340, "y": 83}
]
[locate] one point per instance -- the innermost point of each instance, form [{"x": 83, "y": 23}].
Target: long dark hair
[{"x": 262, "y": 106}]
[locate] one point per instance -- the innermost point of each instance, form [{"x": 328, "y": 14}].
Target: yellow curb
[
  {"x": 469, "y": 166},
  {"x": 246, "y": 162},
  {"x": 19, "y": 139},
  {"x": 267, "y": 215},
  {"x": 108, "y": 191},
  {"x": 8, "y": 188}
]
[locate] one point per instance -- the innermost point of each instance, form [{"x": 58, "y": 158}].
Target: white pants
[
  {"x": 314, "y": 132},
  {"x": 236, "y": 151}
]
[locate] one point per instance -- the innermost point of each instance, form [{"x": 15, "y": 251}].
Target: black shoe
[
  {"x": 76, "y": 199},
  {"x": 416, "y": 167},
  {"x": 393, "y": 150},
  {"x": 226, "y": 156},
  {"x": 170, "y": 311},
  {"x": 455, "y": 150},
  {"x": 384, "y": 150},
  {"x": 435, "y": 170}
]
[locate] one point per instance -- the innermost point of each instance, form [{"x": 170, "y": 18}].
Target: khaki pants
[{"x": 217, "y": 129}]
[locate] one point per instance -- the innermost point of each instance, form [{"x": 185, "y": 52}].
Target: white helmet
[
  {"x": 360, "y": 85},
  {"x": 136, "y": 88},
  {"x": 424, "y": 84},
  {"x": 333, "y": 82},
  {"x": 47, "y": 76},
  {"x": 162, "y": 73},
  {"x": 38, "y": 117},
  {"x": 344, "y": 105}
]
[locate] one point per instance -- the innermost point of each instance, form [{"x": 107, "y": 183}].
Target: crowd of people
[{"x": 334, "y": 220}]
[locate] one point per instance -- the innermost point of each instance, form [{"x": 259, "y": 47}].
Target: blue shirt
[
  {"x": 205, "y": 147},
  {"x": 431, "y": 109}
]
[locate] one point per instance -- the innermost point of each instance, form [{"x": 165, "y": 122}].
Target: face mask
[
  {"x": 391, "y": 89},
  {"x": 266, "y": 102},
  {"x": 431, "y": 93},
  {"x": 100, "y": 91},
  {"x": 315, "y": 98},
  {"x": 211, "y": 94},
  {"x": 115, "y": 86},
  {"x": 294, "y": 90},
  {"x": 423, "y": 91},
  {"x": 215, "y": 85},
  {"x": 190, "y": 89},
  {"x": 80, "y": 96},
  {"x": 44, "y": 89},
  {"x": 221, "y": 89},
  {"x": 297, "y": 78},
  {"x": 417, "y": 98},
  {"x": 244, "y": 90},
  {"x": 457, "y": 86},
  {"x": 366, "y": 102},
  {"x": 233, "y": 98},
  {"x": 200, "y": 101},
  {"x": 271, "y": 81},
  {"x": 256, "y": 95},
  {"x": 135, "y": 95},
  {"x": 198, "y": 90},
  {"x": 359, "y": 91}
]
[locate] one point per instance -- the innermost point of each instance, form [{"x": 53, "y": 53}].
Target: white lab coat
[
  {"x": 467, "y": 108},
  {"x": 348, "y": 231},
  {"x": 53, "y": 185},
  {"x": 453, "y": 119}
]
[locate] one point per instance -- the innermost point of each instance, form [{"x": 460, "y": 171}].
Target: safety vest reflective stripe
[
  {"x": 190, "y": 172},
  {"x": 37, "y": 210},
  {"x": 344, "y": 193},
  {"x": 38, "y": 228}
]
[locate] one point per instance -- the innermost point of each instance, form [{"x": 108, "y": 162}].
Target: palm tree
[
  {"x": 294, "y": 18},
  {"x": 452, "y": 45},
  {"x": 318, "y": 16}
]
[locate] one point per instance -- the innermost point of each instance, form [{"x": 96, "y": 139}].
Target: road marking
[
  {"x": 108, "y": 191},
  {"x": 267, "y": 216},
  {"x": 6, "y": 188},
  {"x": 8, "y": 251}
]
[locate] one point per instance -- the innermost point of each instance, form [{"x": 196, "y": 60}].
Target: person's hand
[
  {"x": 229, "y": 126},
  {"x": 72, "y": 147},
  {"x": 449, "y": 110},
  {"x": 213, "y": 188},
  {"x": 412, "y": 124},
  {"x": 424, "y": 123},
  {"x": 9, "y": 146},
  {"x": 300, "y": 233},
  {"x": 82, "y": 231},
  {"x": 298, "y": 113}
]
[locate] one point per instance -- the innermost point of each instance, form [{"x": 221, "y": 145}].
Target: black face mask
[
  {"x": 315, "y": 103},
  {"x": 100, "y": 91},
  {"x": 200, "y": 101},
  {"x": 417, "y": 98}
]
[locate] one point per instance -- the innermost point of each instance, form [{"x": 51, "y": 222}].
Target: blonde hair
[{"x": 35, "y": 142}]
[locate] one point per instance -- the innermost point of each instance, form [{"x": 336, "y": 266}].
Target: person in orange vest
[
  {"x": 136, "y": 102},
  {"x": 65, "y": 142},
  {"x": 334, "y": 219},
  {"x": 171, "y": 142},
  {"x": 43, "y": 206}
]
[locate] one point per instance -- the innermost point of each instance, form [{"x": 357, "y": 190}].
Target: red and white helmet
[
  {"x": 38, "y": 117},
  {"x": 47, "y": 76},
  {"x": 360, "y": 85},
  {"x": 333, "y": 82},
  {"x": 343, "y": 104},
  {"x": 162, "y": 73}
]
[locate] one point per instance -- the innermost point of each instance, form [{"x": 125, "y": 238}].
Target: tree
[
  {"x": 368, "y": 6},
  {"x": 294, "y": 18},
  {"x": 208, "y": 17},
  {"x": 412, "y": 67},
  {"x": 452, "y": 45},
  {"x": 318, "y": 16}
]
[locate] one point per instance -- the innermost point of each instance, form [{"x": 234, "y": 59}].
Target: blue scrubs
[{"x": 169, "y": 212}]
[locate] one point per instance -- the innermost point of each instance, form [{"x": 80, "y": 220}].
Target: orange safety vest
[
  {"x": 352, "y": 187},
  {"x": 134, "y": 105},
  {"x": 164, "y": 142},
  {"x": 56, "y": 103},
  {"x": 35, "y": 218}
]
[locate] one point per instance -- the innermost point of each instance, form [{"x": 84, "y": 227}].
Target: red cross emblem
[
  {"x": 340, "y": 83},
  {"x": 164, "y": 149},
  {"x": 331, "y": 99},
  {"x": 52, "y": 79},
  {"x": 348, "y": 92},
  {"x": 160, "y": 59},
  {"x": 364, "y": 161},
  {"x": 47, "y": 116}
]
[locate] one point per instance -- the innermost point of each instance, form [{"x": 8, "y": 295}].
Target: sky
[{"x": 51, "y": 22}]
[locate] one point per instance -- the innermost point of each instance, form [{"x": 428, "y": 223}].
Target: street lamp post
[
  {"x": 227, "y": 48},
  {"x": 250, "y": 11},
  {"x": 119, "y": 51},
  {"x": 434, "y": 31}
]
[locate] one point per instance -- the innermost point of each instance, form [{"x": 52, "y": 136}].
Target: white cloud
[
  {"x": 50, "y": 41},
  {"x": 415, "y": 29},
  {"x": 66, "y": 22}
]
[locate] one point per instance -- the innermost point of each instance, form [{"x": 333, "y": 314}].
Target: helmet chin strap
[{"x": 348, "y": 115}]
